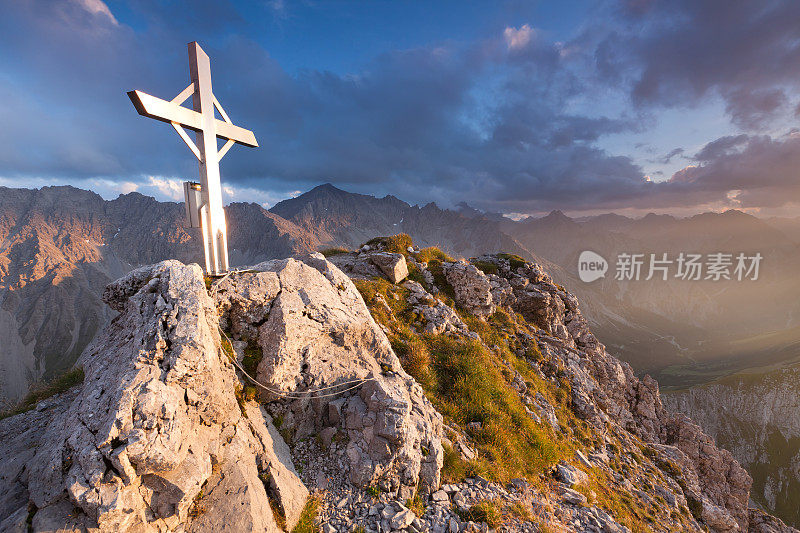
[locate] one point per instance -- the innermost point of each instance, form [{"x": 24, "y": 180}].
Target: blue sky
[{"x": 630, "y": 106}]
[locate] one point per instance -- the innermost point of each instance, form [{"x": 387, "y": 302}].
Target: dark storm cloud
[
  {"x": 490, "y": 122},
  {"x": 680, "y": 51},
  {"x": 719, "y": 148},
  {"x": 759, "y": 170},
  {"x": 752, "y": 109},
  {"x": 739, "y": 171}
]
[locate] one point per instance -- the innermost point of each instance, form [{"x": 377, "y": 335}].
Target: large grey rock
[
  {"x": 60, "y": 516},
  {"x": 724, "y": 483},
  {"x": 402, "y": 519},
  {"x": 243, "y": 306},
  {"x": 472, "y": 289},
  {"x": 356, "y": 265},
  {"x": 718, "y": 518},
  {"x": 16, "y": 522},
  {"x": 320, "y": 334},
  {"x": 536, "y": 306},
  {"x": 283, "y": 481},
  {"x": 20, "y": 437},
  {"x": 392, "y": 265},
  {"x": 569, "y": 475},
  {"x": 574, "y": 497},
  {"x": 154, "y": 438},
  {"x": 438, "y": 317}
]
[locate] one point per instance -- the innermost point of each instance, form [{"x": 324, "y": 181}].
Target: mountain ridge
[{"x": 46, "y": 233}]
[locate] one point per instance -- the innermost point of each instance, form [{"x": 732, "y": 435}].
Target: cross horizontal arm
[{"x": 152, "y": 107}]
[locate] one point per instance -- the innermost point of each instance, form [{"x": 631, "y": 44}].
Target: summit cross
[{"x": 204, "y": 210}]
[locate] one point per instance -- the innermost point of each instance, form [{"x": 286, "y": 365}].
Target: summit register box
[{"x": 193, "y": 198}]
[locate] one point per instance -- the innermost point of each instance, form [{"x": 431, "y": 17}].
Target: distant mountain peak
[
  {"x": 326, "y": 187},
  {"x": 655, "y": 217},
  {"x": 557, "y": 214},
  {"x": 555, "y": 217},
  {"x": 736, "y": 213},
  {"x": 468, "y": 211}
]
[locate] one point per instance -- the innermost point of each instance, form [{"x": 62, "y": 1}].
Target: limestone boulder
[
  {"x": 472, "y": 288},
  {"x": 356, "y": 265},
  {"x": 245, "y": 306},
  {"x": 154, "y": 439},
  {"x": 393, "y": 266},
  {"x": 20, "y": 437},
  {"x": 438, "y": 317},
  {"x": 328, "y": 364},
  {"x": 275, "y": 462}
]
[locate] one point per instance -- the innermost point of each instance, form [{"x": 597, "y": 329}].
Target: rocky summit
[{"x": 388, "y": 389}]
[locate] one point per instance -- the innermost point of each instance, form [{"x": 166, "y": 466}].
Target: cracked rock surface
[
  {"x": 154, "y": 438},
  {"x": 317, "y": 333}
]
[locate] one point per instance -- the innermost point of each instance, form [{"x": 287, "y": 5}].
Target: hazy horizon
[{"x": 229, "y": 198}]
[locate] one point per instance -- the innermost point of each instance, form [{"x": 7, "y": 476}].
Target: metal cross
[{"x": 201, "y": 119}]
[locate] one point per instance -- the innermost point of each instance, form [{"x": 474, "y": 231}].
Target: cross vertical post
[
  {"x": 201, "y": 119},
  {"x": 215, "y": 242}
]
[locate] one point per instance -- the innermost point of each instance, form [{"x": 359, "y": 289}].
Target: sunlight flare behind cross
[{"x": 206, "y": 211}]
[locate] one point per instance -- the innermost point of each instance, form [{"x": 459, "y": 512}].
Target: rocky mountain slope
[
  {"x": 369, "y": 395},
  {"x": 342, "y": 219},
  {"x": 61, "y": 245},
  {"x": 754, "y": 415}
]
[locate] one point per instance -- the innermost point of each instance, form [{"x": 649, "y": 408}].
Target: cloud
[
  {"x": 722, "y": 147},
  {"x": 760, "y": 170},
  {"x": 162, "y": 187},
  {"x": 126, "y": 187},
  {"x": 278, "y": 6},
  {"x": 678, "y": 52},
  {"x": 749, "y": 172},
  {"x": 753, "y": 109},
  {"x": 265, "y": 199},
  {"x": 517, "y": 38},
  {"x": 97, "y": 7}
]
